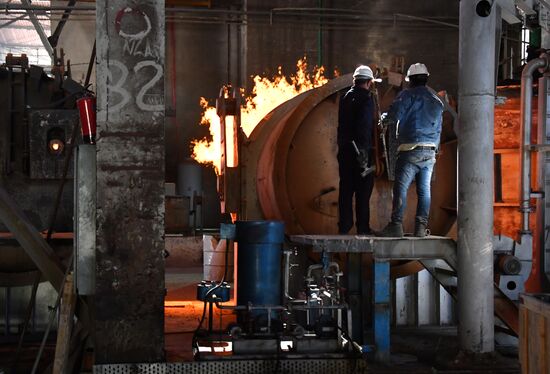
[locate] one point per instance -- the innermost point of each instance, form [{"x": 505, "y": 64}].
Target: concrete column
[
  {"x": 129, "y": 313},
  {"x": 545, "y": 39},
  {"x": 544, "y": 11},
  {"x": 475, "y": 178}
]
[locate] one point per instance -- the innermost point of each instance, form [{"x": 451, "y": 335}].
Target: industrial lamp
[
  {"x": 56, "y": 141},
  {"x": 56, "y": 146},
  {"x": 228, "y": 109}
]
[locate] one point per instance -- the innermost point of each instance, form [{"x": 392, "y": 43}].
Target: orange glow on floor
[{"x": 184, "y": 316}]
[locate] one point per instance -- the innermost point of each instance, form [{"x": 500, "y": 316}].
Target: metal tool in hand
[
  {"x": 366, "y": 169},
  {"x": 384, "y": 128}
]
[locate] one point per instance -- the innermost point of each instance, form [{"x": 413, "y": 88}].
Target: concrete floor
[{"x": 414, "y": 350}]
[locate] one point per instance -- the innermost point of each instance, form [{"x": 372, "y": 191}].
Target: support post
[
  {"x": 355, "y": 295},
  {"x": 544, "y": 12},
  {"x": 129, "y": 292},
  {"x": 475, "y": 178},
  {"x": 65, "y": 327},
  {"x": 382, "y": 311},
  {"x": 85, "y": 219}
]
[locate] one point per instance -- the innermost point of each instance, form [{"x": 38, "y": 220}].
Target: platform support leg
[
  {"x": 382, "y": 311},
  {"x": 355, "y": 294}
]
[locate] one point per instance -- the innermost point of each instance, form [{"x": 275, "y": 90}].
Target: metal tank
[
  {"x": 259, "y": 262},
  {"x": 291, "y": 171}
]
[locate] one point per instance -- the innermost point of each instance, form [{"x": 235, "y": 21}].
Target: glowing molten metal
[{"x": 267, "y": 94}]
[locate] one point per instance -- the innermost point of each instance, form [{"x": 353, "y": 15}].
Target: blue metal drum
[{"x": 259, "y": 262}]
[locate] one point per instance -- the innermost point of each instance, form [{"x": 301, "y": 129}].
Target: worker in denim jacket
[{"x": 417, "y": 113}]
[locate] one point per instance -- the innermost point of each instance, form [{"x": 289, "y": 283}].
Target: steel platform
[
  {"x": 405, "y": 248},
  {"x": 383, "y": 251}
]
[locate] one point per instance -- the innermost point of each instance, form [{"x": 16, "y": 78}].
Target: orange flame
[{"x": 267, "y": 94}]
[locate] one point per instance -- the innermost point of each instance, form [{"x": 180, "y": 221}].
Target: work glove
[
  {"x": 363, "y": 159},
  {"x": 384, "y": 121}
]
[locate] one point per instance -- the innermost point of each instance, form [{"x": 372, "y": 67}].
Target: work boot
[
  {"x": 420, "y": 229},
  {"x": 392, "y": 230}
]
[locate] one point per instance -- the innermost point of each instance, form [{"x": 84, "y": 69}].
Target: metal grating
[{"x": 300, "y": 366}]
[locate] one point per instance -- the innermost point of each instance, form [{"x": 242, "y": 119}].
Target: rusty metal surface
[
  {"x": 43, "y": 164},
  {"x": 507, "y": 217},
  {"x": 177, "y": 214},
  {"x": 290, "y": 171},
  {"x": 291, "y": 159},
  {"x": 32, "y": 242},
  {"x": 36, "y": 197},
  {"x": 130, "y": 181}
]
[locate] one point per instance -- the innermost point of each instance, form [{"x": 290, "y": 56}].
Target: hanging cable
[{"x": 227, "y": 233}]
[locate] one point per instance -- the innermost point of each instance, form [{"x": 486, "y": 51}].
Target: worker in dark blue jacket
[
  {"x": 417, "y": 113},
  {"x": 355, "y": 142}
]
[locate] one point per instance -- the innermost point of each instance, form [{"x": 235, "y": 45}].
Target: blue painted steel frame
[{"x": 382, "y": 311}]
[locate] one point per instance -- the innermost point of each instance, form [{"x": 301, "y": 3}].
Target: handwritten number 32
[{"x": 118, "y": 88}]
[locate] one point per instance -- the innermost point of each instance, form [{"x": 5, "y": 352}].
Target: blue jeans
[{"x": 413, "y": 165}]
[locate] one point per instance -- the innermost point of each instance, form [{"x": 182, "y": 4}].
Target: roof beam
[{"x": 39, "y": 28}]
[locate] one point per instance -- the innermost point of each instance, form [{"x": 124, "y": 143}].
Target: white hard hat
[
  {"x": 363, "y": 72},
  {"x": 416, "y": 69}
]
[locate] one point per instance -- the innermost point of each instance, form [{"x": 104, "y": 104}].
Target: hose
[{"x": 208, "y": 293}]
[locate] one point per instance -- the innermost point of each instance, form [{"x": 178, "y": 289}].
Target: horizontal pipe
[
  {"x": 230, "y": 307},
  {"x": 424, "y": 19},
  {"x": 312, "y": 307},
  {"x": 278, "y": 307},
  {"x": 289, "y": 12},
  {"x": 355, "y": 26}
]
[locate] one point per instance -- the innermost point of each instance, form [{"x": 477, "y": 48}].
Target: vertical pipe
[
  {"x": 355, "y": 290},
  {"x": 543, "y": 180},
  {"x": 229, "y": 52},
  {"x": 320, "y": 36},
  {"x": 180, "y": 156},
  {"x": 475, "y": 178},
  {"x": 7, "y": 311},
  {"x": 529, "y": 254},
  {"x": 243, "y": 50},
  {"x": 525, "y": 110}
]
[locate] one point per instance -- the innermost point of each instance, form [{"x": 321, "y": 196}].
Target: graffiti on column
[{"x": 143, "y": 68}]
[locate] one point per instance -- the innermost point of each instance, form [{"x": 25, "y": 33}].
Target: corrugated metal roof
[{"x": 18, "y": 35}]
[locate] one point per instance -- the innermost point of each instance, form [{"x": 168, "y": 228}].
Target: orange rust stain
[{"x": 507, "y": 141}]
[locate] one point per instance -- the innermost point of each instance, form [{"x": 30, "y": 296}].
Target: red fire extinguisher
[{"x": 86, "y": 108}]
